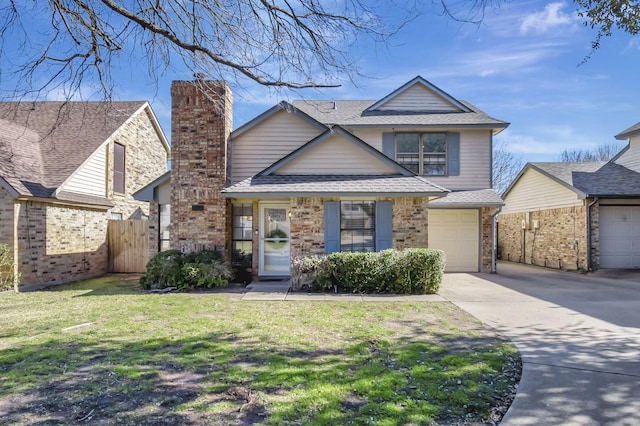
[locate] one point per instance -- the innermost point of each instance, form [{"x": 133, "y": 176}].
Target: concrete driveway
[{"x": 579, "y": 336}]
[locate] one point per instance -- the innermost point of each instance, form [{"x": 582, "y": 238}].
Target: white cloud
[
  {"x": 551, "y": 17},
  {"x": 508, "y": 59}
]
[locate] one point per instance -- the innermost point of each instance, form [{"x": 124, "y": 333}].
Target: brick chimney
[{"x": 201, "y": 120}]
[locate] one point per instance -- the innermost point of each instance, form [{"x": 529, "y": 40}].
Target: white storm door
[{"x": 275, "y": 240}]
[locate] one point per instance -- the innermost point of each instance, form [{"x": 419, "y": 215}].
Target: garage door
[
  {"x": 620, "y": 237},
  {"x": 457, "y": 233}
]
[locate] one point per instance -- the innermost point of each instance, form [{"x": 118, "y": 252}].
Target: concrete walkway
[{"x": 578, "y": 335}]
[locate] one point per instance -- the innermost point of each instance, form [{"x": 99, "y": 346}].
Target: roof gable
[
  {"x": 282, "y": 106},
  {"x": 43, "y": 143},
  {"x": 419, "y": 95},
  {"x": 381, "y": 164}
]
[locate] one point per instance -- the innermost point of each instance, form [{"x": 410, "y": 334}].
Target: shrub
[
  {"x": 6, "y": 268},
  {"x": 410, "y": 271},
  {"x": 171, "y": 268}
]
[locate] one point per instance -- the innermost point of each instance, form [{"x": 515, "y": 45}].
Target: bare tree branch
[{"x": 71, "y": 44}]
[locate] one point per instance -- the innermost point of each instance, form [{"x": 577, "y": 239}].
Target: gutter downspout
[
  {"x": 589, "y": 262},
  {"x": 494, "y": 219}
]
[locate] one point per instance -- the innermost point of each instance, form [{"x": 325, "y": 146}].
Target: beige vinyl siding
[
  {"x": 475, "y": 156},
  {"x": 418, "y": 98},
  {"x": 91, "y": 177},
  {"x": 475, "y": 163},
  {"x": 267, "y": 143},
  {"x": 631, "y": 158},
  {"x": 336, "y": 155},
  {"x": 535, "y": 191},
  {"x": 373, "y": 137}
]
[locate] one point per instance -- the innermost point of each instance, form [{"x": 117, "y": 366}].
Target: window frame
[
  {"x": 370, "y": 231},
  {"x": 245, "y": 227},
  {"x": 119, "y": 167},
  {"x": 422, "y": 154}
]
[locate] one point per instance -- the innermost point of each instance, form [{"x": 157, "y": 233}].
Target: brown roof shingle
[{"x": 43, "y": 143}]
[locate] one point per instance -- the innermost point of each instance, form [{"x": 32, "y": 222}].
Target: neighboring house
[
  {"x": 576, "y": 215},
  {"x": 412, "y": 169},
  {"x": 65, "y": 170}
]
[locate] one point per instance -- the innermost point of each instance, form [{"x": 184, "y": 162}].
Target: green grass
[{"x": 103, "y": 351}]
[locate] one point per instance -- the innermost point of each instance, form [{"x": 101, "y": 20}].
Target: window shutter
[
  {"x": 331, "y": 226},
  {"x": 453, "y": 154},
  {"x": 384, "y": 225},
  {"x": 388, "y": 145}
]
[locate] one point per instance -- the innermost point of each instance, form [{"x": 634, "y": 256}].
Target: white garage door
[
  {"x": 620, "y": 237},
  {"x": 457, "y": 233}
]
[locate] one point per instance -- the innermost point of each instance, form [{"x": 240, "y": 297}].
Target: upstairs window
[
  {"x": 422, "y": 153},
  {"x": 118, "y": 168}
]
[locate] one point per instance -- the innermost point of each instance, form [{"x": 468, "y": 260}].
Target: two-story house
[
  {"x": 66, "y": 168},
  {"x": 412, "y": 169}
]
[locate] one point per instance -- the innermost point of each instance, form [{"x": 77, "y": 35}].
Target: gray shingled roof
[
  {"x": 43, "y": 143},
  {"x": 328, "y": 185},
  {"x": 353, "y": 114},
  {"x": 626, "y": 134},
  {"x": 477, "y": 198},
  {"x": 602, "y": 179}
]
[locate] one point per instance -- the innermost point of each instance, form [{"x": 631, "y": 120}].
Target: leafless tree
[
  {"x": 603, "y": 152},
  {"x": 65, "y": 45},
  {"x": 68, "y": 45},
  {"x": 506, "y": 166}
]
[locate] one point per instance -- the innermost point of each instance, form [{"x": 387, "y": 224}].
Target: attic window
[{"x": 118, "y": 168}]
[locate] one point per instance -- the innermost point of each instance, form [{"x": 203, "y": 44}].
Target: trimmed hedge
[
  {"x": 172, "y": 268},
  {"x": 409, "y": 271}
]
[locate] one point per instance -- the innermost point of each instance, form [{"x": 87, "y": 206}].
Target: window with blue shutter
[
  {"x": 357, "y": 226},
  {"x": 430, "y": 154}
]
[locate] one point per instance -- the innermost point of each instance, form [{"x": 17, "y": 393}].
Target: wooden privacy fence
[{"x": 128, "y": 245}]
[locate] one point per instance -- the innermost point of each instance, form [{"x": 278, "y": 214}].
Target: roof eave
[
  {"x": 10, "y": 189},
  {"x": 273, "y": 194}
]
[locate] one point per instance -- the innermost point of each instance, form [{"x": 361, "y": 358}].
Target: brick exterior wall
[
  {"x": 410, "y": 218},
  {"x": 6, "y": 218},
  {"x": 560, "y": 242},
  {"x": 595, "y": 234},
  {"x": 58, "y": 244},
  {"x": 486, "y": 243},
  {"x": 410, "y": 223},
  {"x": 154, "y": 225},
  {"x": 145, "y": 160},
  {"x": 201, "y": 120}
]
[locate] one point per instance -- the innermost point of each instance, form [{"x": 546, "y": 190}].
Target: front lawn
[{"x": 105, "y": 352}]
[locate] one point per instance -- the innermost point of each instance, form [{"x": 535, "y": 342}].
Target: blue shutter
[
  {"x": 384, "y": 225},
  {"x": 388, "y": 145},
  {"x": 453, "y": 154},
  {"x": 331, "y": 226}
]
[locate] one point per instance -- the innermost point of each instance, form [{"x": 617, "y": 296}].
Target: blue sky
[{"x": 520, "y": 65}]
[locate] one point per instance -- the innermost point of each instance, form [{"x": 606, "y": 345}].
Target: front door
[{"x": 275, "y": 240}]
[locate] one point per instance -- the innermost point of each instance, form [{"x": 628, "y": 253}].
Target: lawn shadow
[{"x": 230, "y": 379}]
